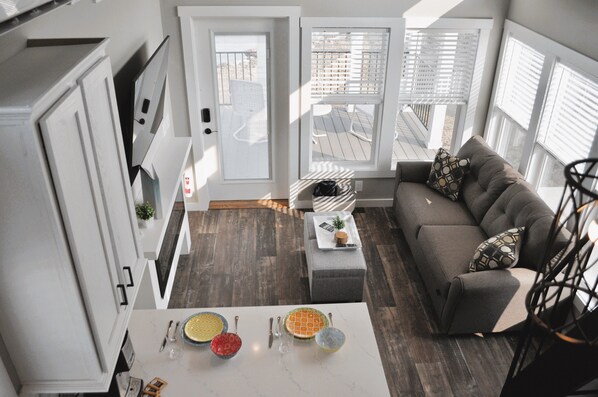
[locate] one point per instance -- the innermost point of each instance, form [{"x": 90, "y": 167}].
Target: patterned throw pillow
[
  {"x": 498, "y": 252},
  {"x": 447, "y": 173}
]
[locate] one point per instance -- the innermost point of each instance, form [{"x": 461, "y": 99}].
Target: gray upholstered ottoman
[{"x": 334, "y": 275}]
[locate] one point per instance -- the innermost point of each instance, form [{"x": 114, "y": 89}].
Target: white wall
[
  {"x": 573, "y": 24},
  {"x": 6, "y": 387},
  {"x": 132, "y": 25}
]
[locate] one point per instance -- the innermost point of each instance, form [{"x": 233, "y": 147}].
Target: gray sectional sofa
[{"x": 444, "y": 234}]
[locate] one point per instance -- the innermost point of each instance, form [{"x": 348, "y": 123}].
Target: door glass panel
[{"x": 242, "y": 80}]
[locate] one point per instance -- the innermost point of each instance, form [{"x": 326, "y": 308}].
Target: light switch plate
[{"x": 358, "y": 186}]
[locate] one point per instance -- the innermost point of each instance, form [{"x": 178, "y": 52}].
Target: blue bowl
[{"x": 330, "y": 339}]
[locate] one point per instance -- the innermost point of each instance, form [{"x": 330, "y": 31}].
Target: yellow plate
[
  {"x": 305, "y": 322},
  {"x": 203, "y": 327}
]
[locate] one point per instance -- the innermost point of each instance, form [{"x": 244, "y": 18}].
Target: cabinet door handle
[
  {"x": 128, "y": 270},
  {"x": 124, "y": 294}
]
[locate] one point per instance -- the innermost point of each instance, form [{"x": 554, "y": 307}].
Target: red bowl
[{"x": 226, "y": 345}]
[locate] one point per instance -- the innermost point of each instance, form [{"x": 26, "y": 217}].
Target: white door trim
[{"x": 187, "y": 14}]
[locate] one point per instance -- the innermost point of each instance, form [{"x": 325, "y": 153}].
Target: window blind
[
  {"x": 348, "y": 63},
  {"x": 570, "y": 118},
  {"x": 437, "y": 66},
  {"x": 519, "y": 79}
]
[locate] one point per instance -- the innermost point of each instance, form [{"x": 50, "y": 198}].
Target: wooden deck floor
[
  {"x": 246, "y": 257},
  {"x": 334, "y": 142}
]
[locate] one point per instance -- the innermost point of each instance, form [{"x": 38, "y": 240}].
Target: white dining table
[{"x": 257, "y": 370}]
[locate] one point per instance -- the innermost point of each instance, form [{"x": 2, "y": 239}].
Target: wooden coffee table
[{"x": 355, "y": 370}]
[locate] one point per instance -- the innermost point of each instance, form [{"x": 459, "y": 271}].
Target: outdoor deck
[{"x": 333, "y": 142}]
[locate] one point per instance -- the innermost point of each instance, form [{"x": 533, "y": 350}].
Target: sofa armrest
[
  {"x": 412, "y": 171},
  {"x": 488, "y": 301}
]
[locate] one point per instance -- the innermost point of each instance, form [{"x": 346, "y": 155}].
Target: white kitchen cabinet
[{"x": 70, "y": 253}]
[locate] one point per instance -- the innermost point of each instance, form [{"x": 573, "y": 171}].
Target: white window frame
[
  {"x": 381, "y": 164},
  {"x": 381, "y": 152},
  {"x": 553, "y": 53}
]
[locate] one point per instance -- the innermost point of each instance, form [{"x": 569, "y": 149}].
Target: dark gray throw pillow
[
  {"x": 498, "y": 252},
  {"x": 447, "y": 173}
]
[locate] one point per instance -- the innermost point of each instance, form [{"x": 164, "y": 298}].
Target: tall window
[
  {"x": 438, "y": 66},
  {"x": 348, "y": 91},
  {"x": 567, "y": 130},
  {"x": 348, "y": 72},
  {"x": 356, "y": 73},
  {"x": 544, "y": 112},
  {"x": 515, "y": 98}
]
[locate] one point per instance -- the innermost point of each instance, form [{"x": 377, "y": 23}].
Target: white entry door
[{"x": 241, "y": 72}]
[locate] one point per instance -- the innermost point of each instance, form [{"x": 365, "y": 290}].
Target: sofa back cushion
[
  {"x": 488, "y": 177},
  {"x": 520, "y": 206}
]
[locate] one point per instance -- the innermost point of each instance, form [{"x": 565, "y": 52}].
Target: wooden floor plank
[
  {"x": 245, "y": 204},
  {"x": 256, "y": 256}
]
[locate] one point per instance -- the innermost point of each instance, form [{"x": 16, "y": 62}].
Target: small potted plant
[
  {"x": 145, "y": 214},
  {"x": 341, "y": 236}
]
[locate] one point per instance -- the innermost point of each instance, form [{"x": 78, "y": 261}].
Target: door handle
[
  {"x": 124, "y": 294},
  {"x": 128, "y": 270},
  {"x": 208, "y": 131}
]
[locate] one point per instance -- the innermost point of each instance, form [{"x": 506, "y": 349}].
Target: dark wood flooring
[{"x": 244, "y": 257}]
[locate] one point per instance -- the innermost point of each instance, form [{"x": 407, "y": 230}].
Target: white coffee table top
[
  {"x": 326, "y": 237},
  {"x": 355, "y": 370}
]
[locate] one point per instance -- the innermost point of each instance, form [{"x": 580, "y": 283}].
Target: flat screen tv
[{"x": 146, "y": 107}]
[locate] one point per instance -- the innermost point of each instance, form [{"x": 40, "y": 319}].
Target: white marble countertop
[{"x": 355, "y": 370}]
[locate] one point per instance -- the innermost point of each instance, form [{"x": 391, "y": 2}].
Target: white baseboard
[{"x": 195, "y": 207}]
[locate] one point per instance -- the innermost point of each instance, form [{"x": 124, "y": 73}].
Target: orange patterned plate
[{"x": 305, "y": 322}]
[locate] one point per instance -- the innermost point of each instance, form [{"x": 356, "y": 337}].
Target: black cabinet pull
[
  {"x": 124, "y": 293},
  {"x": 128, "y": 270}
]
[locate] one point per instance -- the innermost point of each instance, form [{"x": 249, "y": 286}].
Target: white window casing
[
  {"x": 360, "y": 78},
  {"x": 347, "y": 61},
  {"x": 563, "y": 124},
  {"x": 550, "y": 91}
]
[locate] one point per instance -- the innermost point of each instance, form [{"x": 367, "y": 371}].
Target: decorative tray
[
  {"x": 305, "y": 322},
  {"x": 325, "y": 233},
  {"x": 201, "y": 328}
]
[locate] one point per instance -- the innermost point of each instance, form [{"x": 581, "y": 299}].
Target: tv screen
[{"x": 149, "y": 87}]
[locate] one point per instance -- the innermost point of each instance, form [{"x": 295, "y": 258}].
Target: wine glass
[
  {"x": 174, "y": 350},
  {"x": 286, "y": 341}
]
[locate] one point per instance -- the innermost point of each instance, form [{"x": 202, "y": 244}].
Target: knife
[
  {"x": 166, "y": 337},
  {"x": 270, "y": 335}
]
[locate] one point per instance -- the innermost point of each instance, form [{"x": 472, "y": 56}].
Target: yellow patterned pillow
[{"x": 447, "y": 173}]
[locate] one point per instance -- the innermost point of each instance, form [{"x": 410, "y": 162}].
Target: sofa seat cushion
[
  {"x": 489, "y": 175},
  {"x": 520, "y": 206},
  {"x": 447, "y": 251},
  {"x": 420, "y": 205}
]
